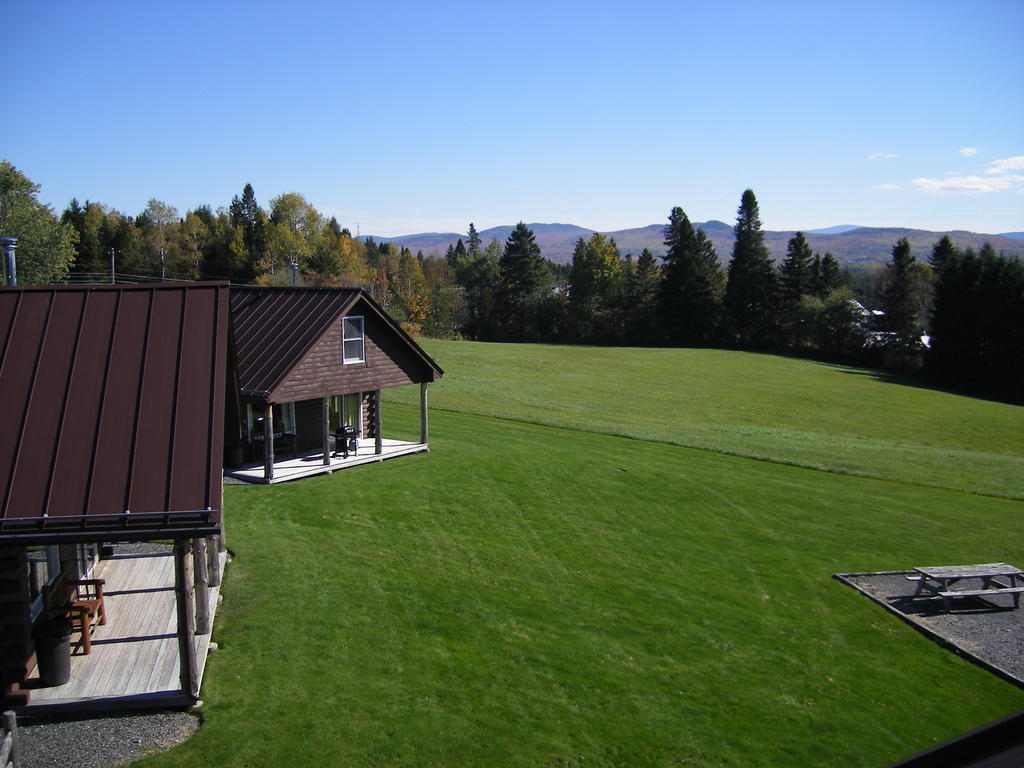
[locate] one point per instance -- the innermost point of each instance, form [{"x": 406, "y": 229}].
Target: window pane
[
  {"x": 353, "y": 327},
  {"x": 354, "y": 350}
]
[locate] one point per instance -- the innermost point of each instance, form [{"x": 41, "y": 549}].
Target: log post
[
  {"x": 213, "y": 560},
  {"x": 202, "y": 589},
  {"x": 423, "y": 412},
  {"x": 268, "y": 443},
  {"x": 325, "y": 420},
  {"x": 378, "y": 444},
  {"x": 186, "y": 648}
]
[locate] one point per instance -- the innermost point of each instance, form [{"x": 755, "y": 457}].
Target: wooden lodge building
[
  {"x": 112, "y": 431},
  {"x": 119, "y": 406},
  {"x": 311, "y": 364}
]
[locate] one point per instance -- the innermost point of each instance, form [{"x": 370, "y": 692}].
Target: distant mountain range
[{"x": 850, "y": 244}]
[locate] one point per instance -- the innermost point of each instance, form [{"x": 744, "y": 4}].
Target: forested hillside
[
  {"x": 955, "y": 313},
  {"x": 859, "y": 247}
]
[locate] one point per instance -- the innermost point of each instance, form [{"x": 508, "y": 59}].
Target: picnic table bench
[{"x": 939, "y": 581}]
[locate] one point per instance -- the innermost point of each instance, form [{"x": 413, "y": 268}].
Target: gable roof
[
  {"x": 274, "y": 328},
  {"x": 111, "y": 420}
]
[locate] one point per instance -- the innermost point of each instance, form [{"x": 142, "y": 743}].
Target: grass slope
[
  {"x": 526, "y": 595},
  {"x": 800, "y": 412}
]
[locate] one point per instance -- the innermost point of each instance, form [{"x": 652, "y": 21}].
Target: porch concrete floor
[
  {"x": 312, "y": 463},
  {"x": 134, "y": 657}
]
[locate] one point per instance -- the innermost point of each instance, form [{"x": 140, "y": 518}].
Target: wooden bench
[
  {"x": 89, "y": 595},
  {"x": 84, "y": 609},
  {"x": 1015, "y": 591}
]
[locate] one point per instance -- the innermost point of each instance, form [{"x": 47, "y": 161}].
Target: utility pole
[
  {"x": 112, "y": 278},
  {"x": 293, "y": 265}
]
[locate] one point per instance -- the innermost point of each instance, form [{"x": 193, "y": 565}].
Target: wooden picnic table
[{"x": 939, "y": 581}]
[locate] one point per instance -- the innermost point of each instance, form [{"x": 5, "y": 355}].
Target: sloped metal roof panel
[
  {"x": 274, "y": 327},
  {"x": 113, "y": 410}
]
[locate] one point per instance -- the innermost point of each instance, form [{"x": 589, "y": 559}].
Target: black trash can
[{"x": 53, "y": 651}]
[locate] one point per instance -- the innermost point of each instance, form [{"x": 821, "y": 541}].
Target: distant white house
[{"x": 874, "y": 339}]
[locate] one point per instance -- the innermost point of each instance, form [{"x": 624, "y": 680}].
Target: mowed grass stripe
[
  {"x": 524, "y": 595},
  {"x": 791, "y": 411}
]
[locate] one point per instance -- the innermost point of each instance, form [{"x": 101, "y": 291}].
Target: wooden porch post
[
  {"x": 325, "y": 420},
  {"x": 268, "y": 443},
  {"x": 202, "y": 582},
  {"x": 186, "y": 648},
  {"x": 378, "y": 439},
  {"x": 423, "y": 412},
  {"x": 213, "y": 560}
]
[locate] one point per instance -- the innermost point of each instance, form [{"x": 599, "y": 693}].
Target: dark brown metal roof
[
  {"x": 274, "y": 328},
  {"x": 112, "y": 410}
]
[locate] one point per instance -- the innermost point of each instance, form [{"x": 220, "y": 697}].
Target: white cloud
[
  {"x": 998, "y": 177},
  {"x": 882, "y": 156},
  {"x": 969, "y": 151},
  {"x": 967, "y": 185},
  {"x": 1007, "y": 164},
  {"x": 887, "y": 186}
]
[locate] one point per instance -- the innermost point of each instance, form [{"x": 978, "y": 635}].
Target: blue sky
[{"x": 423, "y": 116}]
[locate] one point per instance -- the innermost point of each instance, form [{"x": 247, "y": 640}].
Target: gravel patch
[
  {"x": 100, "y": 742},
  {"x": 987, "y": 631},
  {"x": 142, "y": 547}
]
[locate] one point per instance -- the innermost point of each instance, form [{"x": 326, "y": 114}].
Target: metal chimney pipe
[{"x": 10, "y": 265}]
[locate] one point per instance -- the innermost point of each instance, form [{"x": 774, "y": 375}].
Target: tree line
[
  {"x": 958, "y": 318},
  {"x": 969, "y": 304}
]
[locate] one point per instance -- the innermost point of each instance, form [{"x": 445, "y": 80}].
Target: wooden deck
[
  {"x": 134, "y": 658},
  {"x": 313, "y": 463}
]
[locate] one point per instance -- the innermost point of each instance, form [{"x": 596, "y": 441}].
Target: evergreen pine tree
[
  {"x": 642, "y": 300},
  {"x": 942, "y": 252},
  {"x": 750, "y": 292},
  {"x": 826, "y": 276},
  {"x": 524, "y": 283},
  {"x": 977, "y": 324},
  {"x": 899, "y": 302},
  {"x": 796, "y": 278},
  {"x": 246, "y": 213},
  {"x": 473, "y": 243},
  {"x": 690, "y": 291}
]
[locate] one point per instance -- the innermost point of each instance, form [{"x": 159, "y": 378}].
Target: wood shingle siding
[
  {"x": 387, "y": 364},
  {"x": 289, "y": 345}
]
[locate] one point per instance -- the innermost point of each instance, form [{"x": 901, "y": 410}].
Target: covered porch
[
  {"x": 297, "y": 439},
  {"x": 152, "y": 650},
  {"x": 315, "y": 462}
]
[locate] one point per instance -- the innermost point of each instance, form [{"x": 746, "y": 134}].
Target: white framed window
[{"x": 353, "y": 341}]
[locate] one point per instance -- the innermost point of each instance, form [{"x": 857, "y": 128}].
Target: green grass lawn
[
  {"x": 794, "y": 411},
  {"x": 527, "y": 595}
]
